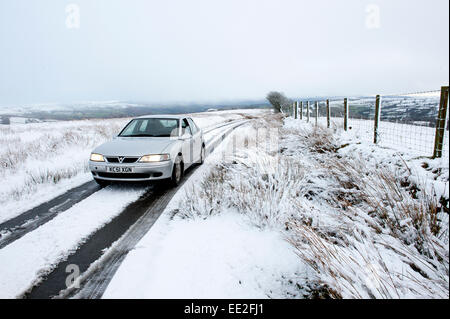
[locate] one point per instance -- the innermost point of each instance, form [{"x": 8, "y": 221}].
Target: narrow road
[{"x": 101, "y": 255}]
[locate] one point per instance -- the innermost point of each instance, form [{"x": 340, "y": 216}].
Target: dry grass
[
  {"x": 319, "y": 140},
  {"x": 32, "y": 155},
  {"x": 35, "y": 179},
  {"x": 206, "y": 200},
  {"x": 365, "y": 230},
  {"x": 379, "y": 212},
  {"x": 14, "y": 152},
  {"x": 409, "y": 216}
]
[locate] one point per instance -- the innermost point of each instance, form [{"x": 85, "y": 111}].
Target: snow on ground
[
  {"x": 35, "y": 254},
  {"x": 323, "y": 214},
  {"x": 224, "y": 256},
  {"x": 221, "y": 257},
  {"x": 394, "y": 201},
  {"x": 413, "y": 144},
  {"x": 210, "y": 119},
  {"x": 411, "y": 139},
  {"x": 26, "y": 260},
  {"x": 39, "y": 161},
  {"x": 307, "y": 213}
]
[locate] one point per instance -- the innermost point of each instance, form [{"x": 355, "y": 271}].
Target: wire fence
[{"x": 411, "y": 122}]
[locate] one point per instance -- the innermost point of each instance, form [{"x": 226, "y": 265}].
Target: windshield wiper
[{"x": 139, "y": 135}]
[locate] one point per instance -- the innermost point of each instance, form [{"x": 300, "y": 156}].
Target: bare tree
[
  {"x": 279, "y": 101},
  {"x": 4, "y": 120}
]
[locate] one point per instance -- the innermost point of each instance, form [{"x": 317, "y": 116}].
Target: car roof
[{"x": 163, "y": 116}]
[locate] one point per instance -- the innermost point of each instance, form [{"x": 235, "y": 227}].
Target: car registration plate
[{"x": 120, "y": 169}]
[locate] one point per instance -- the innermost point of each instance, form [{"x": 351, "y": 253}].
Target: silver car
[{"x": 149, "y": 148}]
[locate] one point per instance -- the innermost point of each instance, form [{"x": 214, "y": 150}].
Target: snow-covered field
[
  {"x": 279, "y": 210},
  {"x": 313, "y": 213}
]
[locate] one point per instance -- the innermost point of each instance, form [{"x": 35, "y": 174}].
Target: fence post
[
  {"x": 301, "y": 110},
  {"x": 328, "y": 113},
  {"x": 345, "y": 114},
  {"x": 317, "y": 112},
  {"x": 307, "y": 111},
  {"x": 295, "y": 109},
  {"x": 440, "y": 124},
  {"x": 377, "y": 118}
]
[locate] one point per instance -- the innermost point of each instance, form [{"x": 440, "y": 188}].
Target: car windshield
[{"x": 152, "y": 127}]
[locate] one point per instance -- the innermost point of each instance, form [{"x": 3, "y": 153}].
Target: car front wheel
[
  {"x": 101, "y": 182},
  {"x": 202, "y": 155},
  {"x": 177, "y": 172}
]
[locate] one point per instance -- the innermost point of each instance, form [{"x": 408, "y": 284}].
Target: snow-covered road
[{"x": 37, "y": 256}]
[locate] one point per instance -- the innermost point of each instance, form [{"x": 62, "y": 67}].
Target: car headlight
[
  {"x": 154, "y": 158},
  {"x": 97, "y": 157}
]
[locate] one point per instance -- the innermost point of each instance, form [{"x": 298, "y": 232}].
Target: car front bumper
[{"x": 140, "y": 171}]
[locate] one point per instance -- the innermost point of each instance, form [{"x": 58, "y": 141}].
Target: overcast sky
[{"x": 211, "y": 50}]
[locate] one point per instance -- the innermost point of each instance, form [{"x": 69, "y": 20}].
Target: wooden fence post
[
  {"x": 301, "y": 110},
  {"x": 307, "y": 111},
  {"x": 328, "y": 113},
  {"x": 317, "y": 112},
  {"x": 295, "y": 109},
  {"x": 345, "y": 114},
  {"x": 440, "y": 124},
  {"x": 377, "y": 118}
]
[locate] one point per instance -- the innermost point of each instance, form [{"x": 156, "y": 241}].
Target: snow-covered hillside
[{"x": 406, "y": 108}]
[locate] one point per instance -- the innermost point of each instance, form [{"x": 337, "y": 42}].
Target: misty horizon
[{"x": 218, "y": 52}]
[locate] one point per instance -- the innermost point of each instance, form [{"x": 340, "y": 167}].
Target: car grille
[
  {"x": 124, "y": 175},
  {"x": 126, "y": 160}
]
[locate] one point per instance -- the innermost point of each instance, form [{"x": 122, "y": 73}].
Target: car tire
[
  {"x": 202, "y": 155},
  {"x": 102, "y": 182},
  {"x": 177, "y": 172}
]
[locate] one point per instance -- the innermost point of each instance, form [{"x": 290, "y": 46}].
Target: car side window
[
  {"x": 143, "y": 125},
  {"x": 185, "y": 128},
  {"x": 193, "y": 126}
]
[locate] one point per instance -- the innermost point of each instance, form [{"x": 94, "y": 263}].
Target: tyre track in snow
[
  {"x": 17, "y": 227},
  {"x": 28, "y": 221},
  {"x": 101, "y": 255}
]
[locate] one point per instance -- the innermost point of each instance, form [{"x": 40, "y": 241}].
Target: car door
[
  {"x": 197, "y": 140},
  {"x": 188, "y": 143}
]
